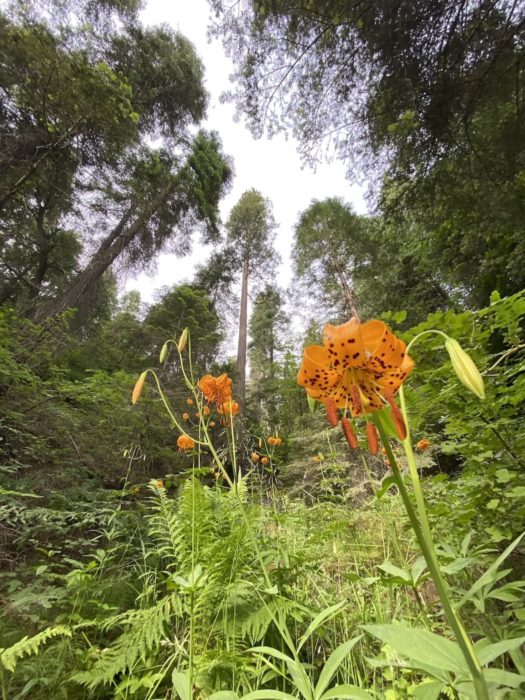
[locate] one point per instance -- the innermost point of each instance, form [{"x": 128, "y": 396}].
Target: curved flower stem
[
  {"x": 431, "y": 331},
  {"x": 169, "y": 411},
  {"x": 420, "y": 524}
]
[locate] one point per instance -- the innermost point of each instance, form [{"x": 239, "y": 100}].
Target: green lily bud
[
  {"x": 465, "y": 369},
  {"x": 137, "y": 391},
  {"x": 163, "y": 352},
  {"x": 183, "y": 340}
]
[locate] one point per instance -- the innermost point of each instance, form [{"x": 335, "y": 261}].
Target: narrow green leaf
[
  {"x": 347, "y": 692},
  {"x": 386, "y": 484},
  {"x": 505, "y": 678},
  {"x": 224, "y": 695},
  {"x": 418, "y": 567},
  {"x": 489, "y": 575},
  {"x": 332, "y": 664},
  {"x": 492, "y": 651},
  {"x": 268, "y": 695},
  {"x": 272, "y": 652},
  {"x": 318, "y": 620},
  {"x": 395, "y": 571},
  {"x": 312, "y": 403},
  {"x": 429, "y": 691},
  {"x": 296, "y": 671},
  {"x": 181, "y": 685},
  {"x": 421, "y": 646}
]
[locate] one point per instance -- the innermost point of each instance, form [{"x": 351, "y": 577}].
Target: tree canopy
[{"x": 80, "y": 185}]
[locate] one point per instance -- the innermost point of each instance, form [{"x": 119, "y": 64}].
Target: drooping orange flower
[
  {"x": 229, "y": 408},
  {"x": 206, "y": 410},
  {"x": 367, "y": 356},
  {"x": 423, "y": 445},
  {"x": 184, "y": 442},
  {"x": 255, "y": 457},
  {"x": 358, "y": 369},
  {"x": 265, "y": 460},
  {"x": 189, "y": 401},
  {"x": 185, "y": 416},
  {"x": 216, "y": 390},
  {"x": 274, "y": 440}
]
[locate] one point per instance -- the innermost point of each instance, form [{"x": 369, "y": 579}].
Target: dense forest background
[{"x": 130, "y": 565}]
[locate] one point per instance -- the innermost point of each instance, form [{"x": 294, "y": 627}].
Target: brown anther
[
  {"x": 397, "y": 416},
  {"x": 349, "y": 433},
  {"x": 371, "y": 434},
  {"x": 331, "y": 412}
]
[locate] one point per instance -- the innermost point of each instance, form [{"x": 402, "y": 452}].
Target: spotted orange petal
[
  {"x": 393, "y": 378},
  {"x": 388, "y": 353},
  {"x": 315, "y": 373},
  {"x": 373, "y": 333},
  {"x": 345, "y": 345}
]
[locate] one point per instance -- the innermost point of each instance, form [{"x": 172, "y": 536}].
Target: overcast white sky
[{"x": 271, "y": 166}]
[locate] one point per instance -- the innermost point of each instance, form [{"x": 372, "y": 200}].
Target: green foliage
[
  {"x": 266, "y": 330},
  {"x": 250, "y": 229},
  {"x": 133, "y": 569},
  {"x": 331, "y": 245},
  {"x": 480, "y": 440},
  {"x": 80, "y": 104},
  {"x": 28, "y": 646}
]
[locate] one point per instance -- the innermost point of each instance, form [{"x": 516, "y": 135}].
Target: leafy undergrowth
[{"x": 301, "y": 581}]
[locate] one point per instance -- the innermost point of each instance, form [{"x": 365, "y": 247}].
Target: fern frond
[
  {"x": 144, "y": 635},
  {"x": 27, "y": 646}
]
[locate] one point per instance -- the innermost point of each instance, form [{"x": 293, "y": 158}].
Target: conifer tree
[
  {"x": 267, "y": 329},
  {"x": 250, "y": 230}
]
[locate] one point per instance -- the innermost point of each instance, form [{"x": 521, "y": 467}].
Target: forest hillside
[{"x": 240, "y": 489}]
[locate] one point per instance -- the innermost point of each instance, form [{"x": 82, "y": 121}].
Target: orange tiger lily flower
[
  {"x": 229, "y": 408},
  {"x": 216, "y": 390},
  {"x": 358, "y": 369},
  {"x": 184, "y": 442},
  {"x": 367, "y": 356}
]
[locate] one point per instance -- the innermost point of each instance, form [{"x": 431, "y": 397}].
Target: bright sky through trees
[{"x": 272, "y": 167}]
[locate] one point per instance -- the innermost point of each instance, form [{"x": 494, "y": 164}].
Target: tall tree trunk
[
  {"x": 110, "y": 248},
  {"x": 243, "y": 340},
  {"x": 43, "y": 253},
  {"x": 347, "y": 292}
]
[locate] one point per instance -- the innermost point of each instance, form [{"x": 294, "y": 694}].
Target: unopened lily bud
[
  {"x": 163, "y": 352},
  {"x": 465, "y": 369},
  {"x": 183, "y": 340},
  {"x": 137, "y": 391}
]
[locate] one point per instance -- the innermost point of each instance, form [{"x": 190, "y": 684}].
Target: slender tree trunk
[
  {"x": 43, "y": 254},
  {"x": 347, "y": 292},
  {"x": 110, "y": 248},
  {"x": 243, "y": 340}
]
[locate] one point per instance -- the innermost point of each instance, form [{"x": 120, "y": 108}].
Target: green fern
[
  {"x": 28, "y": 646},
  {"x": 145, "y": 631}
]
